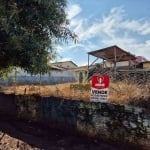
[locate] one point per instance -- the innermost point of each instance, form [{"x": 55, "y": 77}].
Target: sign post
[{"x": 100, "y": 88}]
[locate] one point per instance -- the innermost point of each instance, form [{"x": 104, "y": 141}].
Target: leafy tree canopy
[{"x": 28, "y": 29}]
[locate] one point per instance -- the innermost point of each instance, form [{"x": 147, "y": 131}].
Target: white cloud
[
  {"x": 103, "y": 26},
  {"x": 130, "y": 44},
  {"x": 59, "y": 48},
  {"x": 73, "y": 11},
  {"x": 113, "y": 28},
  {"x": 110, "y": 24},
  {"x": 142, "y": 27},
  {"x": 66, "y": 59}
]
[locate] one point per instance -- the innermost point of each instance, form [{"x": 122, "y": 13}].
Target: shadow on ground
[{"x": 34, "y": 136}]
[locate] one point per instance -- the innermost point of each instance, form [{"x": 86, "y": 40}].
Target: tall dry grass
[
  {"x": 124, "y": 92},
  {"x": 119, "y": 92}
]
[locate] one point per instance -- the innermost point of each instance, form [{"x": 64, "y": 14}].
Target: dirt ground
[{"x": 23, "y": 135}]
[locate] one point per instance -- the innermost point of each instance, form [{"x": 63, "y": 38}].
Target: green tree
[
  {"x": 97, "y": 65},
  {"x": 80, "y": 77},
  {"x": 5, "y": 72},
  {"x": 28, "y": 30}
]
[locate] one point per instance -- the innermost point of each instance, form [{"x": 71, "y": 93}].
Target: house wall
[
  {"x": 83, "y": 69},
  {"x": 57, "y": 73},
  {"x": 77, "y": 74},
  {"x": 122, "y": 63},
  {"x": 107, "y": 64},
  {"x": 66, "y": 64},
  {"x": 146, "y": 65},
  {"x": 118, "y": 64}
]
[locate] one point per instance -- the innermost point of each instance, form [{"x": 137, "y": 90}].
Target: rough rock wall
[
  {"x": 7, "y": 105},
  {"x": 105, "y": 120}
]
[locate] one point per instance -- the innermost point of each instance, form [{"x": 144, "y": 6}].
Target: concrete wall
[
  {"x": 104, "y": 120},
  {"x": 36, "y": 80},
  {"x": 52, "y": 73},
  {"x": 54, "y": 77}
]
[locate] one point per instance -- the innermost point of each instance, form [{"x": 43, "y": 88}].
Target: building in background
[
  {"x": 65, "y": 64},
  {"x": 146, "y": 65},
  {"x": 56, "y": 75},
  {"x": 81, "y": 70}
]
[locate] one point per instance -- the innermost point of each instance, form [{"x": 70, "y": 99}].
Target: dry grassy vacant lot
[{"x": 120, "y": 92}]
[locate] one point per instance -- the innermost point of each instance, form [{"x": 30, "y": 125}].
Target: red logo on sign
[{"x": 100, "y": 81}]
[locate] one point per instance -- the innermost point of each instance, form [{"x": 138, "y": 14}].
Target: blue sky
[{"x": 103, "y": 23}]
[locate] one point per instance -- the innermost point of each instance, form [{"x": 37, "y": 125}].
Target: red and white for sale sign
[{"x": 100, "y": 88}]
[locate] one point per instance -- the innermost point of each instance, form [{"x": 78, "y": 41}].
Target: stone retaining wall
[
  {"x": 8, "y": 105},
  {"x": 104, "y": 120}
]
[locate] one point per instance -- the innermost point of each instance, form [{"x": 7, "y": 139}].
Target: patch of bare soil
[
  {"x": 10, "y": 143},
  {"x": 23, "y": 135}
]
